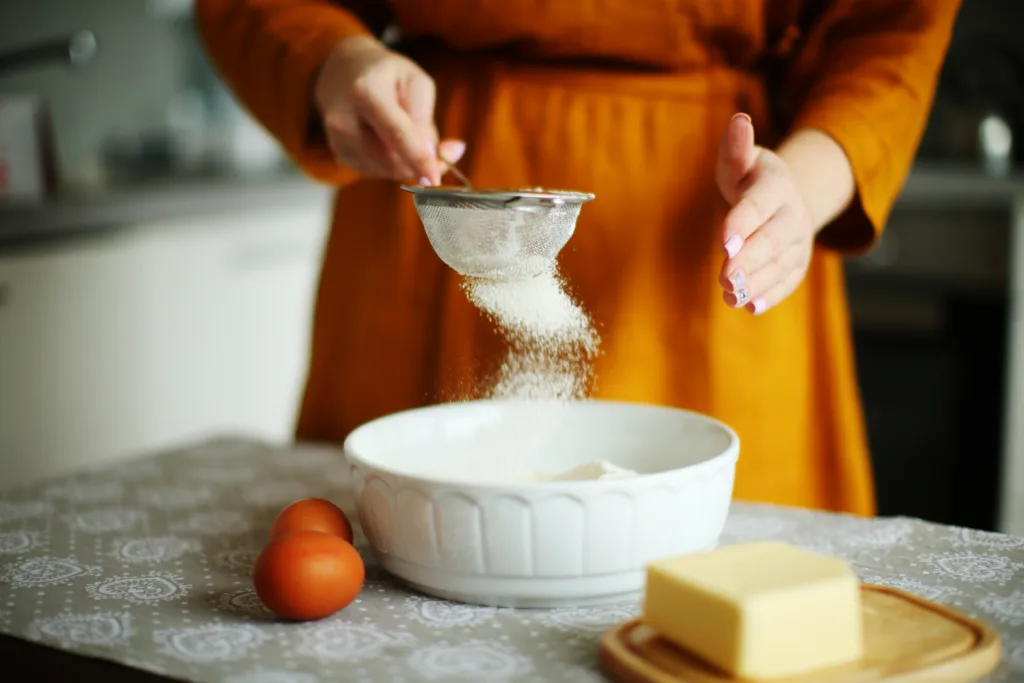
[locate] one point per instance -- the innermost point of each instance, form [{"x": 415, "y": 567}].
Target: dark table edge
[{"x": 28, "y": 660}]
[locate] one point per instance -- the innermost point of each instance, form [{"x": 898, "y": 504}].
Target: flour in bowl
[
  {"x": 589, "y": 471},
  {"x": 595, "y": 470}
]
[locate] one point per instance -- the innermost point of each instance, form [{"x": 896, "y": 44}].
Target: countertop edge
[
  {"x": 29, "y": 224},
  {"x": 926, "y": 188}
]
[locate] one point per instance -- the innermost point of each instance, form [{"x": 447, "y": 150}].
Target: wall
[
  {"x": 142, "y": 62},
  {"x": 982, "y": 74}
]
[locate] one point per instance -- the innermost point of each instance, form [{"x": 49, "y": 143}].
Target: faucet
[{"x": 77, "y": 49}]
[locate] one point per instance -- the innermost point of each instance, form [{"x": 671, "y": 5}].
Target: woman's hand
[
  {"x": 768, "y": 235},
  {"x": 780, "y": 201},
  {"x": 377, "y": 109}
]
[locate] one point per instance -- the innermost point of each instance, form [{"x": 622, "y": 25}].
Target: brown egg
[
  {"x": 312, "y": 514},
  {"x": 308, "y": 575}
]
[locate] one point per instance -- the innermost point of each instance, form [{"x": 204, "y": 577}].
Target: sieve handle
[{"x": 456, "y": 172}]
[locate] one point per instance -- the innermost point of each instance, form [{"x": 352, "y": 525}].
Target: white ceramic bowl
[{"x": 445, "y": 501}]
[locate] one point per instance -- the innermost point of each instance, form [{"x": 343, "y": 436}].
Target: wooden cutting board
[{"x": 907, "y": 639}]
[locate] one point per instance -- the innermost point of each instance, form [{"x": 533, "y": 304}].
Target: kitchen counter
[
  {"x": 125, "y": 206},
  {"x": 140, "y": 572},
  {"x": 956, "y": 186},
  {"x": 928, "y": 186}
]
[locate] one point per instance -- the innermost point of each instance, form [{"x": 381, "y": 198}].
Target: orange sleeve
[
  {"x": 269, "y": 53},
  {"x": 866, "y": 76}
]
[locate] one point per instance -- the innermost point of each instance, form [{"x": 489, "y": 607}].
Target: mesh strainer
[{"x": 498, "y": 234}]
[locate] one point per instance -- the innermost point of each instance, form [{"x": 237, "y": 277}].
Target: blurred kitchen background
[{"x": 158, "y": 258}]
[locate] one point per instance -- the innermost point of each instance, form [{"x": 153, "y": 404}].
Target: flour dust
[{"x": 551, "y": 340}]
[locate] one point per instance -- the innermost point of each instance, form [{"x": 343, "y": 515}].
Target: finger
[
  {"x": 777, "y": 294},
  {"x": 365, "y": 154},
  {"x": 774, "y": 242},
  {"x": 417, "y": 95},
  {"x": 750, "y": 287},
  {"x": 382, "y": 111},
  {"x": 355, "y": 144},
  {"x": 736, "y": 290},
  {"x": 352, "y": 153},
  {"x": 370, "y": 145},
  {"x": 754, "y": 209},
  {"x": 449, "y": 152},
  {"x": 736, "y": 155},
  {"x": 736, "y": 299},
  {"x": 452, "y": 150},
  {"x": 343, "y": 131}
]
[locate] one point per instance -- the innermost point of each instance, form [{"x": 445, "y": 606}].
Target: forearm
[
  {"x": 822, "y": 173},
  {"x": 268, "y": 52}
]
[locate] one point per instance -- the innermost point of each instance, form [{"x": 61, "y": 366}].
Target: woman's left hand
[{"x": 768, "y": 234}]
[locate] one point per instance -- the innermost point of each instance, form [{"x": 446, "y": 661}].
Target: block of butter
[{"x": 764, "y": 609}]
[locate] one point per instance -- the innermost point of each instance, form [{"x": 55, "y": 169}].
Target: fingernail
[
  {"x": 741, "y": 115},
  {"x": 432, "y": 147},
  {"x": 737, "y": 279},
  {"x": 454, "y": 149},
  {"x": 732, "y": 245},
  {"x": 425, "y": 181},
  {"x": 742, "y": 297},
  {"x": 758, "y": 305}
]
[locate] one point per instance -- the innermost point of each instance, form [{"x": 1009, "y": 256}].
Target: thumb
[
  {"x": 451, "y": 150},
  {"x": 736, "y": 156}
]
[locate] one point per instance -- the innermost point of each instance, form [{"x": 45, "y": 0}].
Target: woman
[{"x": 711, "y": 261}]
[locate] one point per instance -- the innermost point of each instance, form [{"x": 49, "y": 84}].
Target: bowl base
[
  {"x": 519, "y": 602},
  {"x": 520, "y": 592}
]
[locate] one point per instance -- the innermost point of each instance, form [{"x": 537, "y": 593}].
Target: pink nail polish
[
  {"x": 425, "y": 181},
  {"x": 737, "y": 279},
  {"x": 758, "y": 305},
  {"x": 454, "y": 150},
  {"x": 733, "y": 245},
  {"x": 741, "y": 115}
]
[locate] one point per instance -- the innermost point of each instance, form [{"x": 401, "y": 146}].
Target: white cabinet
[
  {"x": 143, "y": 338},
  {"x": 1012, "y": 517},
  {"x": 226, "y": 321},
  {"x": 69, "y": 367}
]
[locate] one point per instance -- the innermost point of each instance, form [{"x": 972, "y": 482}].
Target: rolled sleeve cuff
[
  {"x": 304, "y": 139},
  {"x": 857, "y": 228}
]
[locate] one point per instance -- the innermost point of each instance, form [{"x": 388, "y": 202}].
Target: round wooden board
[{"x": 907, "y": 639}]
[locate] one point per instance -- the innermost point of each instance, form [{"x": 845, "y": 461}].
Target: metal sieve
[{"x": 497, "y": 234}]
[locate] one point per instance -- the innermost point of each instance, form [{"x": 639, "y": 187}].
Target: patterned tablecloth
[{"x": 148, "y": 564}]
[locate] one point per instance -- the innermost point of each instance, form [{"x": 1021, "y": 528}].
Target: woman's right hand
[{"x": 377, "y": 109}]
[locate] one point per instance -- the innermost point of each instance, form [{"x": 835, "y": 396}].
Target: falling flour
[
  {"x": 552, "y": 342},
  {"x": 552, "y": 346}
]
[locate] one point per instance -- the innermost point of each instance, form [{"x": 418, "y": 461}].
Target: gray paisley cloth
[{"x": 148, "y": 564}]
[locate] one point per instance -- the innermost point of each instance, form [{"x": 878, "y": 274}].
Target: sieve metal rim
[{"x": 456, "y": 193}]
